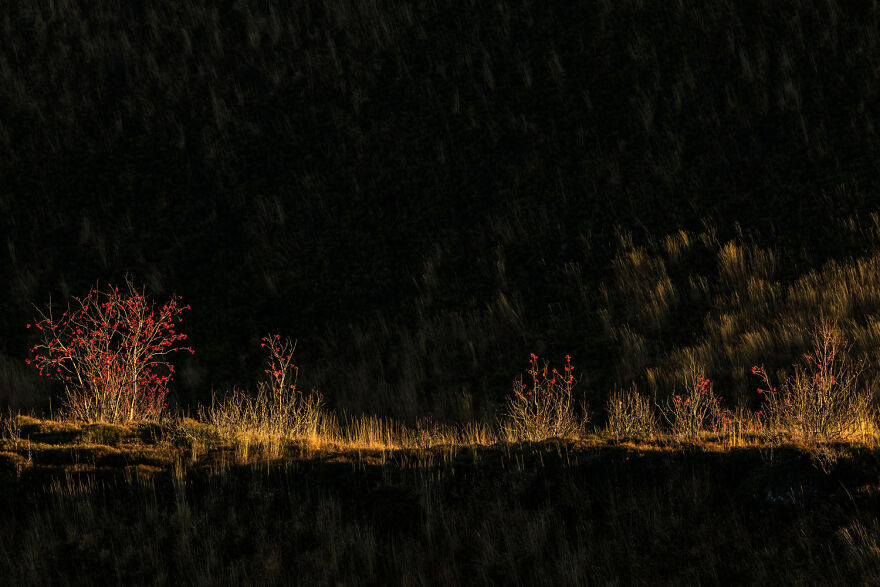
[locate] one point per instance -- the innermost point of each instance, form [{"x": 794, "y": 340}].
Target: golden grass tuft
[{"x": 630, "y": 414}]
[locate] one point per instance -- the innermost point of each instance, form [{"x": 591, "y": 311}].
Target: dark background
[{"x": 422, "y": 194}]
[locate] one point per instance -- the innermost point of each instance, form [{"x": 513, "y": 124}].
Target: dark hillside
[{"x": 423, "y": 194}]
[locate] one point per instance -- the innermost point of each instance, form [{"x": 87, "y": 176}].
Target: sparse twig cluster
[
  {"x": 630, "y": 414},
  {"x": 545, "y": 408},
  {"x": 279, "y": 408},
  {"x": 824, "y": 398},
  {"x": 698, "y": 410}
]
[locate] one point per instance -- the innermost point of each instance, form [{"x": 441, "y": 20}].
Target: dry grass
[
  {"x": 646, "y": 294},
  {"x": 269, "y": 415},
  {"x": 631, "y": 414},
  {"x": 738, "y": 304},
  {"x": 560, "y": 512}
]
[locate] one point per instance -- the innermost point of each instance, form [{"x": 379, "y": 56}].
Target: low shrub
[
  {"x": 695, "y": 411},
  {"x": 824, "y": 399},
  {"x": 279, "y": 408},
  {"x": 545, "y": 408}
]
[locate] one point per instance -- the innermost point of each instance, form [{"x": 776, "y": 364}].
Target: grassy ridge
[{"x": 176, "y": 503}]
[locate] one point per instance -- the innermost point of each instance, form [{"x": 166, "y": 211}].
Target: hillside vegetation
[{"x": 424, "y": 194}]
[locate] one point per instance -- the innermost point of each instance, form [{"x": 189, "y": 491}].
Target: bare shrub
[
  {"x": 544, "y": 409},
  {"x": 630, "y": 414},
  {"x": 279, "y": 408},
  {"x": 824, "y": 398},
  {"x": 697, "y": 410}
]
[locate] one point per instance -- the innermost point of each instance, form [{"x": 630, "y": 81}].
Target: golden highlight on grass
[
  {"x": 266, "y": 414},
  {"x": 630, "y": 415},
  {"x": 226, "y": 513}
]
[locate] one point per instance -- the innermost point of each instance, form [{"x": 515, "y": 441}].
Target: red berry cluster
[
  {"x": 280, "y": 357},
  {"x": 546, "y": 381},
  {"x": 698, "y": 410}
]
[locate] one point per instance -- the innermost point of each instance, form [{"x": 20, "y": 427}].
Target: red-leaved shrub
[{"x": 110, "y": 349}]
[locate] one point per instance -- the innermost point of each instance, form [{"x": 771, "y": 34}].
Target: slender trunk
[{"x": 134, "y": 391}]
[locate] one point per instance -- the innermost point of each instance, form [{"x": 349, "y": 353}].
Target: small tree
[{"x": 111, "y": 352}]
